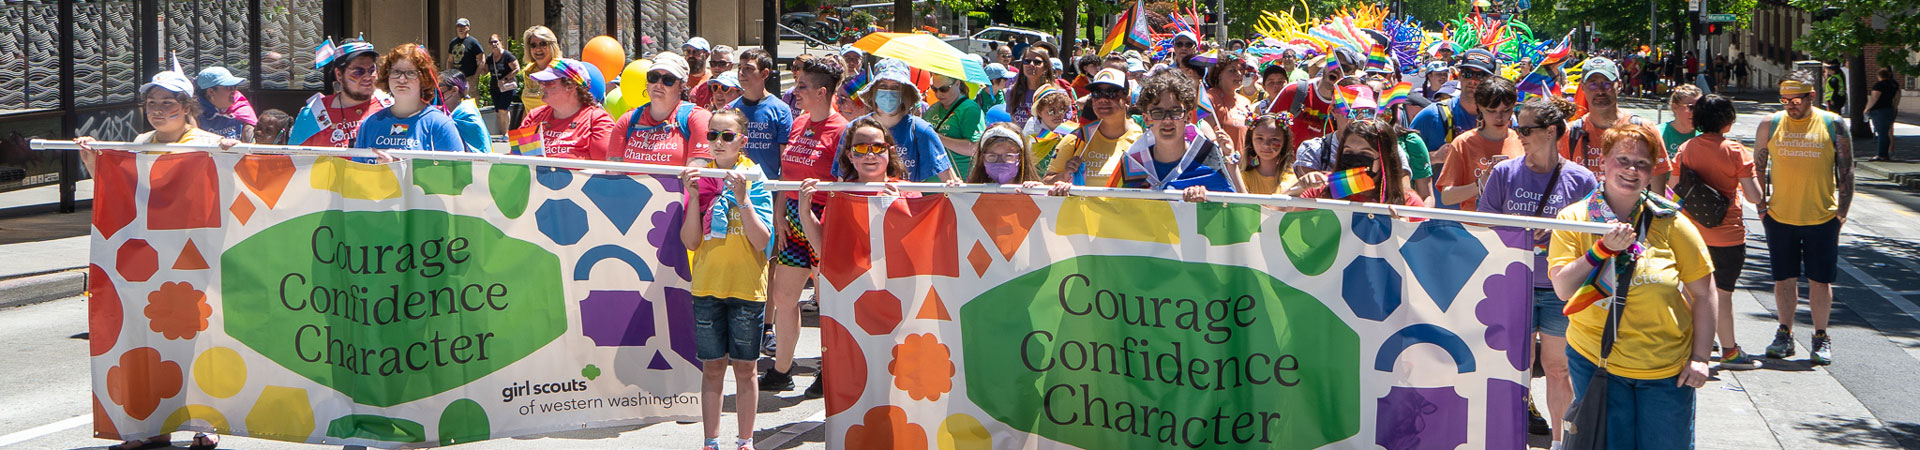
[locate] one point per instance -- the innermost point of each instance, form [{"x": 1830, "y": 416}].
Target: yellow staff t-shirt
[
  {"x": 1656, "y": 330},
  {"x": 1800, "y": 156}
]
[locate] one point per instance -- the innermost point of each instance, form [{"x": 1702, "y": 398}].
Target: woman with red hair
[{"x": 411, "y": 123}]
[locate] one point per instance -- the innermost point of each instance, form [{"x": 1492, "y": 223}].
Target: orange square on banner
[
  {"x": 845, "y": 253},
  {"x": 185, "y": 192},
  {"x": 921, "y": 239}
]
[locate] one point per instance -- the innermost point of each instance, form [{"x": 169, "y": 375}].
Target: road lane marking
[
  {"x": 1880, "y": 288},
  {"x": 43, "y": 430}
]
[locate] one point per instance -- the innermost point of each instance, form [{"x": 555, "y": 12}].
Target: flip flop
[{"x": 210, "y": 443}]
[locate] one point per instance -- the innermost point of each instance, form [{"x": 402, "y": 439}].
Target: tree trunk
[
  {"x": 903, "y": 16},
  {"x": 1067, "y": 32}
]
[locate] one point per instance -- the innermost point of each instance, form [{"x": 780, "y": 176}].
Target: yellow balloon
[{"x": 633, "y": 83}]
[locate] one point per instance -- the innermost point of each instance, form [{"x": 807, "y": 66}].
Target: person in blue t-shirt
[
  {"x": 769, "y": 120},
  {"x": 412, "y": 123},
  {"x": 893, "y": 97},
  {"x": 464, "y": 111}
]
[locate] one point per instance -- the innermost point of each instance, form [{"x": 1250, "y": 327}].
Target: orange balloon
[{"x": 604, "y": 53}]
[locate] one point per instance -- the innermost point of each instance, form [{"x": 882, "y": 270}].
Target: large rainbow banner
[
  {"x": 1000, "y": 321},
  {"x": 413, "y": 304}
]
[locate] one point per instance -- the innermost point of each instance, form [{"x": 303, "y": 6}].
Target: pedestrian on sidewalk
[
  {"x": 542, "y": 48},
  {"x": 1660, "y": 349},
  {"x": 1804, "y": 159},
  {"x": 1540, "y": 184},
  {"x": 1882, "y": 105},
  {"x": 728, "y": 302},
  {"x": 463, "y": 52},
  {"x": 1711, "y": 161},
  {"x": 506, "y": 84},
  {"x": 1836, "y": 93}
]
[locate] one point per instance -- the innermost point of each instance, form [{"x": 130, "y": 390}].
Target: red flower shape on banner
[
  {"x": 141, "y": 380},
  {"x": 178, "y": 311},
  {"x": 923, "y": 367},
  {"x": 887, "y": 427}
]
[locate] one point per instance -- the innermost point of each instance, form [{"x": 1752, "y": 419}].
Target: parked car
[
  {"x": 987, "y": 39},
  {"x": 816, "y": 28}
]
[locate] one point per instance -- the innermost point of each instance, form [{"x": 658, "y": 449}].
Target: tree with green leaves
[{"x": 1845, "y": 28}]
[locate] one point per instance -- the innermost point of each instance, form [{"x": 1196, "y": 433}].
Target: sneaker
[
  {"x": 776, "y": 381},
  {"x": 1782, "y": 347},
  {"x": 768, "y": 346},
  {"x": 1822, "y": 350},
  {"x": 1535, "y": 423},
  {"x": 819, "y": 387},
  {"x": 1734, "y": 359}
]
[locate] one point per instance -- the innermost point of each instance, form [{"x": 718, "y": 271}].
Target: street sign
[
  {"x": 1693, "y": 5},
  {"x": 1720, "y": 18}
]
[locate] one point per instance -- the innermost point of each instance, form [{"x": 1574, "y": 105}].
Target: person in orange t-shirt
[
  {"x": 1726, "y": 166},
  {"x": 1471, "y": 156}
]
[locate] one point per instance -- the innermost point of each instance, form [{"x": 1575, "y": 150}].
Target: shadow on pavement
[
  {"x": 45, "y": 227},
  {"x": 1858, "y": 432}
]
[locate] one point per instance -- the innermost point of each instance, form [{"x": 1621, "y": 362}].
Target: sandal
[
  {"x": 150, "y": 443},
  {"x": 203, "y": 441}
]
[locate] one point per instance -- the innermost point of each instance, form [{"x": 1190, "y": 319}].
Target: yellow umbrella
[{"x": 926, "y": 52}]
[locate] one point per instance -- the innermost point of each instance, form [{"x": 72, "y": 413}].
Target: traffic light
[{"x": 1714, "y": 28}]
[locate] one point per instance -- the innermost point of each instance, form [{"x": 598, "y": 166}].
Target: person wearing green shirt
[
  {"x": 1680, "y": 129},
  {"x": 958, "y": 120},
  {"x": 1419, "y": 163},
  {"x": 994, "y": 92}
]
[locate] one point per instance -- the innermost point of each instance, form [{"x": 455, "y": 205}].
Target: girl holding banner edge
[
  {"x": 1664, "y": 340},
  {"x": 1358, "y": 166}
]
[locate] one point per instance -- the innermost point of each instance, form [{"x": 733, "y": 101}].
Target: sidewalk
[{"x": 43, "y": 254}]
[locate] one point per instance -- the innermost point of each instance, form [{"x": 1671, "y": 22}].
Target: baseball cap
[
  {"x": 1136, "y": 65},
  {"x": 1438, "y": 66},
  {"x": 1479, "y": 59},
  {"x": 1110, "y": 77},
  {"x": 849, "y": 48},
  {"x": 570, "y": 69},
  {"x": 169, "y": 80},
  {"x": 698, "y": 43},
  {"x": 729, "y": 79},
  {"x": 1057, "y": 65},
  {"x": 217, "y": 76},
  {"x": 462, "y": 22},
  {"x": 1601, "y": 66},
  {"x": 671, "y": 62},
  {"x": 997, "y": 71},
  {"x": 1190, "y": 37}
]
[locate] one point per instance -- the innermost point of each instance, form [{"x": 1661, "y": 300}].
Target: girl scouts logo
[{"x": 397, "y": 129}]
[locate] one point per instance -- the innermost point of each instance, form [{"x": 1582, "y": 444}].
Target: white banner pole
[{"x": 1085, "y": 191}]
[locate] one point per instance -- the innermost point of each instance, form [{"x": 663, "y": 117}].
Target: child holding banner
[
  {"x": 1357, "y": 168},
  {"x": 1004, "y": 158},
  {"x": 1271, "y": 170},
  {"x": 1174, "y": 154},
  {"x": 729, "y": 275}
]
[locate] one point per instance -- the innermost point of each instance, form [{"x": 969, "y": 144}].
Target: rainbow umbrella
[{"x": 925, "y": 52}]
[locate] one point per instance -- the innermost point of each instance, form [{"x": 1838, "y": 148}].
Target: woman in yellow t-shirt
[
  {"x": 1660, "y": 355},
  {"x": 542, "y": 48}
]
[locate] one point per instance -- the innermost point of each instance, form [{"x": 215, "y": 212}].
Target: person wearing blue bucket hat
[{"x": 223, "y": 109}]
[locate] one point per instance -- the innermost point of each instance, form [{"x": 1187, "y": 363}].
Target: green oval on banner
[
  {"x": 1144, "y": 352},
  {"x": 1311, "y": 239},
  {"x": 389, "y": 307},
  {"x": 464, "y": 421}
]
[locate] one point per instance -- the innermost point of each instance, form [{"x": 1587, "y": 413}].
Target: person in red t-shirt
[
  {"x": 333, "y": 120},
  {"x": 572, "y": 125},
  {"x": 811, "y": 148},
  {"x": 1317, "y": 104},
  {"x": 666, "y": 130}
]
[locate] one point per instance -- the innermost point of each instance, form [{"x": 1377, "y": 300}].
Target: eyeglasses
[
  {"x": 1643, "y": 166},
  {"x": 664, "y": 79},
  {"x": 1601, "y": 85},
  {"x": 870, "y": 149},
  {"x": 1166, "y": 114},
  {"x": 1108, "y": 93},
  {"x": 1001, "y": 157},
  {"x": 1474, "y": 74},
  {"x": 403, "y": 74},
  {"x": 722, "y": 136}
]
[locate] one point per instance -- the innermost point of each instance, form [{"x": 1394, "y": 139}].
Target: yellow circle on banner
[
  {"x": 220, "y": 372},
  {"x": 202, "y": 413},
  {"x": 281, "y": 413},
  {"x": 963, "y": 432}
]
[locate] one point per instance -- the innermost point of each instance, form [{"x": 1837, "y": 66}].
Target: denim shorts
[
  {"x": 1641, "y": 414},
  {"x": 727, "y": 328},
  {"x": 1549, "y": 317}
]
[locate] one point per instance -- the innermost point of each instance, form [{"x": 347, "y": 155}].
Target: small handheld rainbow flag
[
  {"x": 526, "y": 141},
  {"x": 1066, "y": 127},
  {"x": 1348, "y": 182},
  {"x": 1377, "y": 58},
  {"x": 1397, "y": 94}
]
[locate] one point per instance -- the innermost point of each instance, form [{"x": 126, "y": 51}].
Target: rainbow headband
[{"x": 1793, "y": 87}]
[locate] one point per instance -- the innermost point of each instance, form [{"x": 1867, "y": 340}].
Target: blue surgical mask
[{"x": 887, "y": 101}]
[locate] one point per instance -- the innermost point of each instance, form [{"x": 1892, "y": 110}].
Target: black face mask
[{"x": 1352, "y": 160}]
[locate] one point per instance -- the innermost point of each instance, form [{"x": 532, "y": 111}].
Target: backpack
[
  {"x": 1577, "y": 136},
  {"x": 680, "y": 115}
]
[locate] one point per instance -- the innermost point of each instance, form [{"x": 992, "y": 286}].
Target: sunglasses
[
  {"x": 664, "y": 79},
  {"x": 1798, "y": 100},
  {"x": 722, "y": 136},
  {"x": 1474, "y": 74},
  {"x": 943, "y": 89},
  {"x": 1183, "y": 45},
  {"x": 1363, "y": 113},
  {"x": 1034, "y": 62},
  {"x": 870, "y": 149},
  {"x": 1526, "y": 131},
  {"x": 361, "y": 72},
  {"x": 538, "y": 44}
]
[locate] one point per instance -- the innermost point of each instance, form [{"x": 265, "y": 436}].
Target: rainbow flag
[
  {"x": 1397, "y": 94},
  {"x": 1343, "y": 101},
  {"x": 1559, "y": 52},
  {"x": 1065, "y": 128},
  {"x": 1129, "y": 31},
  {"x": 1377, "y": 58},
  {"x": 526, "y": 141},
  {"x": 1345, "y": 183}
]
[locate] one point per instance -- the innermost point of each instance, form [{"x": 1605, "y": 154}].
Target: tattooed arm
[
  {"x": 1843, "y": 166},
  {"x": 1760, "y": 138}
]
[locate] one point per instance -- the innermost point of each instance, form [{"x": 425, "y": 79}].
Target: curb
[
  {"x": 43, "y": 287},
  {"x": 1904, "y": 179}
]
